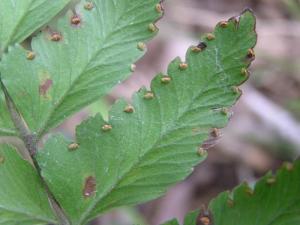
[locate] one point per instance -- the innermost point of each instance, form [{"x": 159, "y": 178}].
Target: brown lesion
[
  {"x": 89, "y": 187},
  {"x": 75, "y": 20},
  {"x": 45, "y": 86},
  {"x": 55, "y": 36},
  {"x": 250, "y": 54}
]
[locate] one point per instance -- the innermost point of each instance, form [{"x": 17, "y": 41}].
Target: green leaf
[
  {"x": 190, "y": 219},
  {"x": 274, "y": 200},
  {"x": 74, "y": 65},
  {"x": 141, "y": 151},
  {"x": 22, "y": 196},
  {"x": 19, "y": 19}
]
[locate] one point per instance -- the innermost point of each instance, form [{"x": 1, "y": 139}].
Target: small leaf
[
  {"x": 78, "y": 60},
  {"x": 274, "y": 200},
  {"x": 22, "y": 196},
  {"x": 156, "y": 145},
  {"x": 190, "y": 219},
  {"x": 20, "y": 18}
]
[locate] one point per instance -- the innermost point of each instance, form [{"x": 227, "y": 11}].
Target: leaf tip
[
  {"x": 244, "y": 72},
  {"x": 183, "y": 66},
  {"x": 247, "y": 189},
  {"x": 159, "y": 8},
  {"x": 152, "y": 27},
  {"x": 236, "y": 90},
  {"x": 215, "y": 132},
  {"x": 251, "y": 54},
  {"x": 132, "y": 67},
  {"x": 210, "y": 36},
  {"x": 202, "y": 152},
  {"x": 223, "y": 24},
  {"x": 141, "y": 46}
]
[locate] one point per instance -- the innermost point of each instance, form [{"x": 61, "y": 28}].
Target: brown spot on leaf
[
  {"x": 149, "y": 95},
  {"x": 89, "y": 6},
  {"x": 251, "y": 54},
  {"x": 215, "y": 132},
  {"x": 159, "y": 8},
  {"x": 210, "y": 36},
  {"x": 75, "y": 20},
  {"x": 152, "y": 27},
  {"x": 73, "y": 146},
  {"x": 45, "y": 86},
  {"x": 183, "y": 66},
  {"x": 202, "y": 45},
  {"x": 141, "y": 46},
  {"x": 202, "y": 152},
  {"x": 166, "y": 79},
  {"x": 89, "y": 187},
  {"x": 55, "y": 36},
  {"x": 30, "y": 55},
  {"x": 223, "y": 24},
  {"x": 107, "y": 127},
  {"x": 129, "y": 109}
]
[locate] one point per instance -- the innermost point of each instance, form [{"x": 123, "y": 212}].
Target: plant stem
[{"x": 30, "y": 141}]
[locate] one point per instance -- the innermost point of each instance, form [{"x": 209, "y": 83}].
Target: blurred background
[{"x": 265, "y": 128}]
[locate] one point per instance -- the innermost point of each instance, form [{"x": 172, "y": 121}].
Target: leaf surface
[
  {"x": 19, "y": 19},
  {"x": 22, "y": 197},
  {"x": 141, "y": 151},
  {"x": 275, "y": 200},
  {"x": 78, "y": 60}
]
